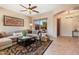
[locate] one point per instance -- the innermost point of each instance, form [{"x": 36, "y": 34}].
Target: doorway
[{"x": 58, "y": 27}]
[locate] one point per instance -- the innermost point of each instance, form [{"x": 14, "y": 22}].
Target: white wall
[
  {"x": 76, "y": 22},
  {"x": 68, "y": 25},
  {"x": 13, "y": 14}
]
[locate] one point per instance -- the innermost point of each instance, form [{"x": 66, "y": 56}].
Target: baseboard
[{"x": 65, "y": 36}]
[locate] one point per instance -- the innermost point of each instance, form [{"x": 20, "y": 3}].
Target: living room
[
  {"x": 18, "y": 22},
  {"x": 11, "y": 29}
]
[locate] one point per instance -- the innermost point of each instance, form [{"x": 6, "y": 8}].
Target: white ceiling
[{"x": 42, "y": 8}]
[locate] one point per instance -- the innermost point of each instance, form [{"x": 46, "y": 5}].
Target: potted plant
[{"x": 24, "y": 33}]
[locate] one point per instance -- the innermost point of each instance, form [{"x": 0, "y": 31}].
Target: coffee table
[{"x": 25, "y": 40}]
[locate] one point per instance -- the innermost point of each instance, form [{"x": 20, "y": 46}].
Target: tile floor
[{"x": 63, "y": 46}]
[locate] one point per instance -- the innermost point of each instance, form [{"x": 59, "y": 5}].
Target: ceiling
[{"x": 42, "y": 8}]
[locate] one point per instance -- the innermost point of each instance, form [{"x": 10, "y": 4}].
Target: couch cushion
[
  {"x": 3, "y": 34},
  {"x": 18, "y": 34},
  {"x": 4, "y": 41}
]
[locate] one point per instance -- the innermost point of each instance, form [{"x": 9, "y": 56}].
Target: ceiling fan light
[{"x": 30, "y": 11}]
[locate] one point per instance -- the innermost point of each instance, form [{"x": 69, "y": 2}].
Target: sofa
[{"x": 7, "y": 40}]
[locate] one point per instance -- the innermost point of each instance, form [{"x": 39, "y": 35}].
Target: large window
[{"x": 40, "y": 24}]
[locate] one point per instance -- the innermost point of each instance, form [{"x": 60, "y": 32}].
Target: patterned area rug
[{"x": 34, "y": 49}]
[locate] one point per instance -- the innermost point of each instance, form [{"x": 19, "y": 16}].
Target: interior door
[{"x": 58, "y": 27}]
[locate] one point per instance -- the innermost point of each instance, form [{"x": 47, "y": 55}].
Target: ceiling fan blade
[
  {"x": 33, "y": 7},
  {"x": 23, "y": 10},
  {"x": 35, "y": 11},
  {"x": 22, "y": 6}
]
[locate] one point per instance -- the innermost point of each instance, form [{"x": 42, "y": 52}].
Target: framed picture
[{"x": 13, "y": 21}]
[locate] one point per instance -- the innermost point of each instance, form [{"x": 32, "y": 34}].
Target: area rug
[{"x": 36, "y": 48}]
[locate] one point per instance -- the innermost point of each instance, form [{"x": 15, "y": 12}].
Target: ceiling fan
[{"x": 29, "y": 9}]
